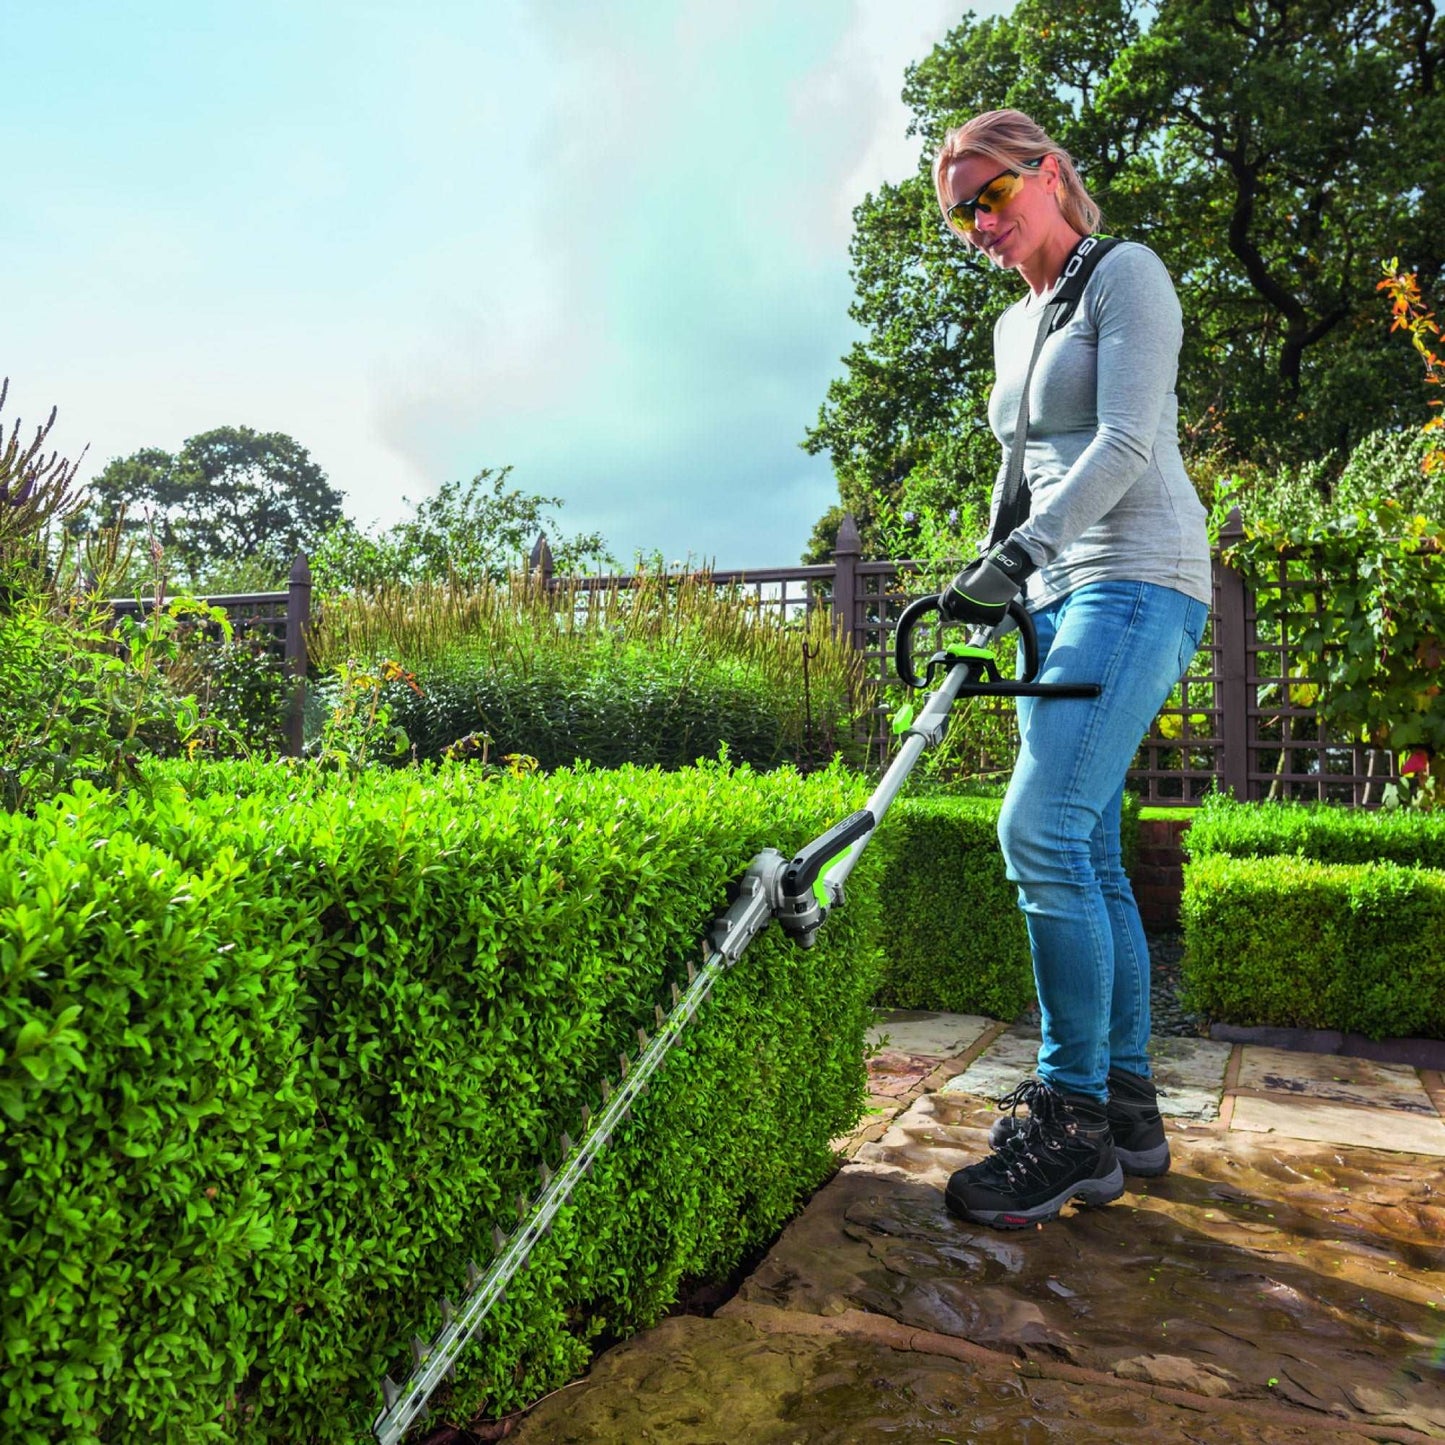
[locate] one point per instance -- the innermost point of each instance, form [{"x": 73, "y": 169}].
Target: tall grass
[{"x": 537, "y": 665}]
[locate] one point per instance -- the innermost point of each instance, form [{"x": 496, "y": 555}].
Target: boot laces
[{"x": 1047, "y": 1126}]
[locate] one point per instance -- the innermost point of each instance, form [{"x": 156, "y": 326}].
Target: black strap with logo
[{"x": 1013, "y": 506}]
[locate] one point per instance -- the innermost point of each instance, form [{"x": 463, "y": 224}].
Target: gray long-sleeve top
[{"x": 1111, "y": 499}]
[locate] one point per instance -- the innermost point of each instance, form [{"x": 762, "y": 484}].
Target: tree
[
  {"x": 1273, "y": 152},
  {"x": 471, "y": 532},
  {"x": 228, "y": 496}
]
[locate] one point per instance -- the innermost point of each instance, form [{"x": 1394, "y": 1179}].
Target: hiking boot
[
  {"x": 1061, "y": 1151},
  {"x": 1136, "y": 1125},
  {"x": 1134, "y": 1121}
]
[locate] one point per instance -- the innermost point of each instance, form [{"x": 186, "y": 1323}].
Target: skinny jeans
[{"x": 1059, "y": 827}]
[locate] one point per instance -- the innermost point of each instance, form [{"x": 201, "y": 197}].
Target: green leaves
[
  {"x": 1291, "y": 942},
  {"x": 1360, "y": 587},
  {"x": 953, "y": 935},
  {"x": 1317, "y": 917},
  {"x": 229, "y": 493},
  {"x": 302, "y": 1043}
]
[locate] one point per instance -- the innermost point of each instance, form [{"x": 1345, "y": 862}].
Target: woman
[{"x": 1112, "y": 560}]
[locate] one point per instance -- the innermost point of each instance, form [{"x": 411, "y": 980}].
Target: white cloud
[{"x": 854, "y": 98}]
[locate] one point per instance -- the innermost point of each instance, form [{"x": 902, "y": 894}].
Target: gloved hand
[{"x": 982, "y": 592}]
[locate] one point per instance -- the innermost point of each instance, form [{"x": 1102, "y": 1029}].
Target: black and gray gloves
[{"x": 981, "y": 593}]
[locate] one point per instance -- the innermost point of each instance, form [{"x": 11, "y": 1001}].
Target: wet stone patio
[{"x": 1284, "y": 1282}]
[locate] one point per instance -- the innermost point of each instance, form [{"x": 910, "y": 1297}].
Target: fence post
[
  {"x": 298, "y": 618},
  {"x": 846, "y": 551},
  {"x": 1231, "y": 636},
  {"x": 541, "y": 560}
]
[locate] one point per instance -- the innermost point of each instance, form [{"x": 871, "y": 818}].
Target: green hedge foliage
[
  {"x": 953, "y": 937},
  {"x": 1289, "y": 942},
  {"x": 648, "y": 706},
  {"x": 1318, "y": 831},
  {"x": 278, "y": 1054}
]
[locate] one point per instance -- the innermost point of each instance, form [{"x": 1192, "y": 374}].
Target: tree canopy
[
  {"x": 1273, "y": 152},
  {"x": 228, "y": 495},
  {"x": 467, "y": 532}
]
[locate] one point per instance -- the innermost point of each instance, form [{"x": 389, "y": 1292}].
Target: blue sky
[{"x": 605, "y": 243}]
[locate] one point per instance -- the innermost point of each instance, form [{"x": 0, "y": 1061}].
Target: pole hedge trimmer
[{"x": 799, "y": 892}]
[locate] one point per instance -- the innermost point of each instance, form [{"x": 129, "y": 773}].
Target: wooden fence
[
  {"x": 1239, "y": 721},
  {"x": 281, "y": 617}
]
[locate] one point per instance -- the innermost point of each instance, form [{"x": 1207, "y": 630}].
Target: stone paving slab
[
  {"x": 759, "y": 1377},
  {"x": 1283, "y": 1270},
  {"x": 1189, "y": 1073},
  {"x": 1334, "y": 1079},
  {"x": 937, "y": 1035},
  {"x": 892, "y": 1073},
  {"x": 1285, "y": 1282},
  {"x": 1382, "y": 1128}
]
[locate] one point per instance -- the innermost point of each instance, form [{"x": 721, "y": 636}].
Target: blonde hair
[{"x": 1014, "y": 141}]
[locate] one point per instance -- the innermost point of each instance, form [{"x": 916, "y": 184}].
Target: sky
[{"x": 604, "y": 243}]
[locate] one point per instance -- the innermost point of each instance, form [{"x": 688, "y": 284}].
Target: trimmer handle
[{"x": 915, "y": 611}]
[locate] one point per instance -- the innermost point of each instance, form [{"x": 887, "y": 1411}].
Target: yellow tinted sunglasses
[{"x": 992, "y": 198}]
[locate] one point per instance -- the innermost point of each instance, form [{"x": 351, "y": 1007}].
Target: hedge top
[{"x": 1318, "y": 831}]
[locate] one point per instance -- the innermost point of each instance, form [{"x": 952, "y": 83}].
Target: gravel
[{"x": 1166, "y": 954}]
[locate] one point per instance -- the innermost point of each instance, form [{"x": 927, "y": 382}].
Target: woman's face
[{"x": 1012, "y": 233}]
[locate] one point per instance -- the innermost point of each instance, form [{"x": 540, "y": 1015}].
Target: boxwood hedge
[
  {"x": 953, "y": 937},
  {"x": 1319, "y": 831},
  {"x": 1316, "y": 916},
  {"x": 1288, "y": 942},
  {"x": 278, "y": 1054}
]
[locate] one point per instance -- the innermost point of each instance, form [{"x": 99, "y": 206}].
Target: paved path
[{"x": 1285, "y": 1282}]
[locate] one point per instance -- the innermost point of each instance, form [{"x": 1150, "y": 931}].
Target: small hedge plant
[
  {"x": 279, "y": 1053},
  {"x": 1286, "y": 942},
  {"x": 953, "y": 937},
  {"x": 1305, "y": 915},
  {"x": 651, "y": 706}
]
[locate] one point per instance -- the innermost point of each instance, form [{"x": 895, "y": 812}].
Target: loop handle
[{"x": 918, "y": 609}]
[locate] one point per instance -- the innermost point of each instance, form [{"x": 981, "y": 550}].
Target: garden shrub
[
  {"x": 643, "y": 705},
  {"x": 954, "y": 940},
  {"x": 1289, "y": 942},
  {"x": 1364, "y": 608},
  {"x": 279, "y": 1050},
  {"x": 953, "y": 936},
  {"x": 1317, "y": 831},
  {"x": 654, "y": 669}
]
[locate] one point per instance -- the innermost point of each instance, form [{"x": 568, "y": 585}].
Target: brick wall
[{"x": 1158, "y": 877}]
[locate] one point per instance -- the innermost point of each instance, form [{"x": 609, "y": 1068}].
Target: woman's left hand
[{"x": 982, "y": 592}]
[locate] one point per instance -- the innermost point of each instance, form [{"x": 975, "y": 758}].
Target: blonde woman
[{"x": 1105, "y": 540}]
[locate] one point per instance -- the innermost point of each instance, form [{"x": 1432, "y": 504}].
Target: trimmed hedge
[
  {"x": 953, "y": 936},
  {"x": 1318, "y": 831},
  {"x": 954, "y": 940},
  {"x": 278, "y": 1054},
  {"x": 1313, "y": 916},
  {"x": 1289, "y": 942}
]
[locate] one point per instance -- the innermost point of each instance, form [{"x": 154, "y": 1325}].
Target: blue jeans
[{"x": 1060, "y": 821}]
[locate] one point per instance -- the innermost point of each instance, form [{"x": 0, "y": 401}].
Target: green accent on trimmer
[{"x": 820, "y": 892}]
